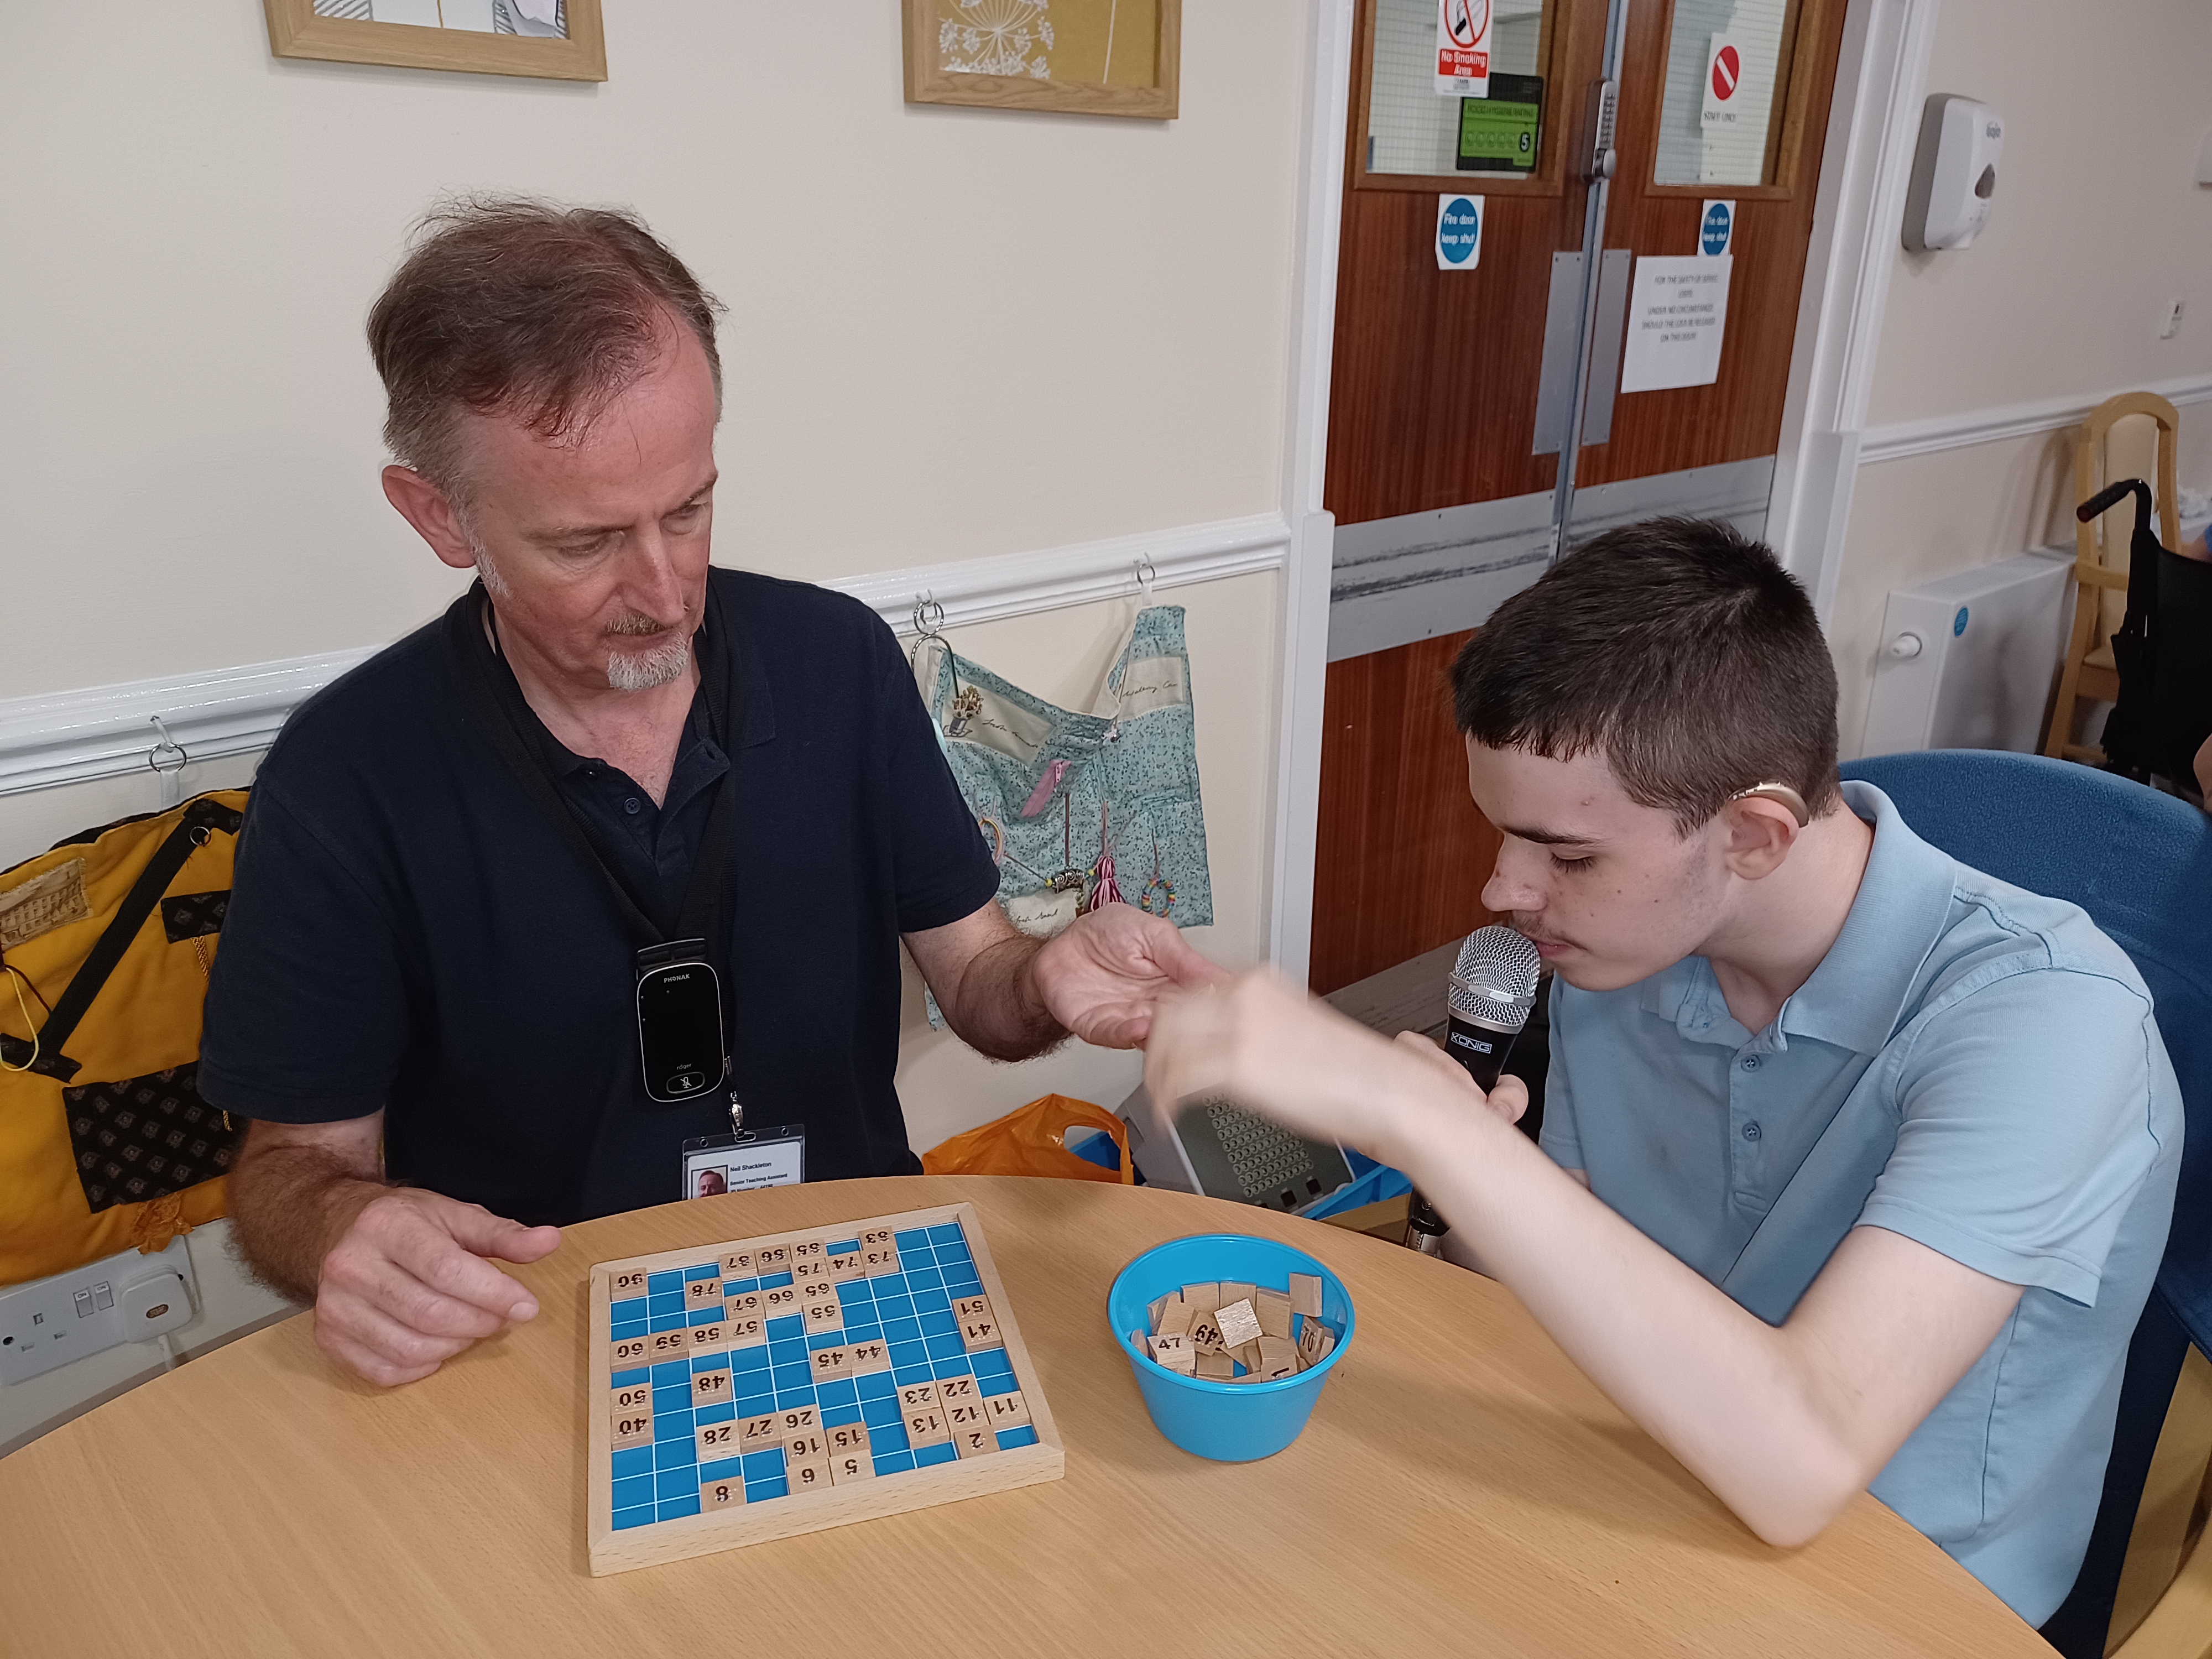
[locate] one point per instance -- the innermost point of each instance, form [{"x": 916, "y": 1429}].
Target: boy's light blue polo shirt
[{"x": 1971, "y": 1065}]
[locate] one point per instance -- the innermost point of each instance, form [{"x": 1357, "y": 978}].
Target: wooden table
[{"x": 1461, "y": 1489}]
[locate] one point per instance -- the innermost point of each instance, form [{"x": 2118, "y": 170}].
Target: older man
[{"x": 465, "y": 860}]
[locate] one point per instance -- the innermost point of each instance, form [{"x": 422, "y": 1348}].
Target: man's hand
[
  {"x": 407, "y": 1286},
  {"x": 1103, "y": 977},
  {"x": 396, "y": 1275}
]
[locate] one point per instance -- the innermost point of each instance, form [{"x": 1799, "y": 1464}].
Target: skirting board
[{"x": 106, "y": 730}]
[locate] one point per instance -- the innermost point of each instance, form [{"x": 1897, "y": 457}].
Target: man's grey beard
[{"x": 659, "y": 666}]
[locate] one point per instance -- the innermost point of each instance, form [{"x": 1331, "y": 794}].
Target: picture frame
[
  {"x": 1017, "y": 42},
  {"x": 297, "y": 30}
]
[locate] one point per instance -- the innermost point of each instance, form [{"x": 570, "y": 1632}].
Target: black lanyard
[{"x": 495, "y": 700}]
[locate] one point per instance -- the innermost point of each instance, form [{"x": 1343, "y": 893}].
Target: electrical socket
[
  {"x": 127, "y": 1297},
  {"x": 2169, "y": 319}
]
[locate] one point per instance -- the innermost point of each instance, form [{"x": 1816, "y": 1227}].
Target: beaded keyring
[{"x": 1166, "y": 887}]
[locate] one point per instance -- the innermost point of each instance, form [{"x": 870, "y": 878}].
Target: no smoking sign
[
  {"x": 1463, "y": 48},
  {"x": 1723, "y": 81}
]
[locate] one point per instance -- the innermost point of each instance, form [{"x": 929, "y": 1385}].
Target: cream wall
[{"x": 2097, "y": 223}]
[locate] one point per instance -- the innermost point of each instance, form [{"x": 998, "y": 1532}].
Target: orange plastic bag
[{"x": 1032, "y": 1140}]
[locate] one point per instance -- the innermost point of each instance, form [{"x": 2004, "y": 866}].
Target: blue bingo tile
[
  {"x": 792, "y": 1378},
  {"x": 876, "y": 1385},
  {"x": 945, "y": 1347},
  {"x": 902, "y": 1330},
  {"x": 721, "y": 1413},
  {"x": 629, "y": 1494},
  {"x": 673, "y": 1398},
  {"x": 722, "y": 1468},
  {"x": 889, "y": 1436},
  {"x": 672, "y": 1426},
  {"x": 868, "y": 1332},
  {"x": 762, "y": 1466},
  {"x": 920, "y": 1373},
  {"x": 761, "y": 1491},
  {"x": 931, "y": 1454},
  {"x": 839, "y": 1391},
  {"x": 957, "y": 1366},
  {"x": 674, "y": 1453},
  {"x": 835, "y": 1417},
  {"x": 739, "y": 1287},
  {"x": 707, "y": 1270},
  {"x": 625, "y": 1519},
  {"x": 931, "y": 1300},
  {"x": 947, "y": 1233},
  {"x": 925, "y": 1281},
  {"x": 823, "y": 1340},
  {"x": 623, "y": 1329},
  {"x": 843, "y": 1247},
  {"x": 673, "y": 1370},
  {"x": 988, "y": 1386},
  {"x": 963, "y": 1287},
  {"x": 631, "y": 1307},
  {"x": 770, "y": 1281},
  {"x": 787, "y": 1327},
  {"x": 664, "y": 1304},
  {"x": 670, "y": 1322},
  {"x": 1010, "y": 1438},
  {"x": 633, "y": 1459},
  {"x": 672, "y": 1279},
  {"x": 992, "y": 1361},
  {"x": 786, "y": 1401},
  {"x": 793, "y": 1351},
  {"x": 898, "y": 1306},
  {"x": 909, "y": 1352},
  {"x": 674, "y": 1483},
  {"x": 632, "y": 1378},
  {"x": 755, "y": 1405},
  {"x": 855, "y": 1290},
  {"x": 755, "y": 1359},
  {"x": 674, "y": 1509},
  {"x": 876, "y": 1413},
  {"x": 939, "y": 1323},
  {"x": 706, "y": 1315},
  {"x": 893, "y": 1463},
  {"x": 912, "y": 1239},
  {"x": 709, "y": 1362}
]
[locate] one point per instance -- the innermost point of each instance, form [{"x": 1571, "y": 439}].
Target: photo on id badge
[{"x": 715, "y": 1164}]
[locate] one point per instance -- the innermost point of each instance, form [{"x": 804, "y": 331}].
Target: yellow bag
[
  {"x": 1032, "y": 1140},
  {"x": 105, "y": 947}
]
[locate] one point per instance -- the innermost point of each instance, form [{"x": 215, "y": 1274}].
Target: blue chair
[{"x": 2140, "y": 863}]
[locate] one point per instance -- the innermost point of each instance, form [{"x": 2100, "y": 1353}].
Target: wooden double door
[{"x": 1466, "y": 380}]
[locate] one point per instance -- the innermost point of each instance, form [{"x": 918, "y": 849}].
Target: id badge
[{"x": 740, "y": 1163}]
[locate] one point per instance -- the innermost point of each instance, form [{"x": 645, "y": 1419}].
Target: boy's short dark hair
[{"x": 1681, "y": 650}]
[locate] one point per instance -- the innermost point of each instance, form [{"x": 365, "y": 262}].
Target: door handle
[
  {"x": 1605, "y": 341},
  {"x": 1601, "y": 114}
]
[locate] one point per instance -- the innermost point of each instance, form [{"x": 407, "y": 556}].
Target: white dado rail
[
  {"x": 1897, "y": 439},
  {"x": 108, "y": 731}
]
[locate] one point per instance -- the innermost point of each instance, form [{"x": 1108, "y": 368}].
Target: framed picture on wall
[
  {"x": 548, "y": 39},
  {"x": 1079, "y": 57}
]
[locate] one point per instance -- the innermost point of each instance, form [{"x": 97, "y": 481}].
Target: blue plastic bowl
[{"x": 1228, "y": 1422}]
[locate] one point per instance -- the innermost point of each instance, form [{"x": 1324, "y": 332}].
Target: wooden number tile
[
  {"x": 1313, "y": 1340},
  {"x": 1175, "y": 1352},
  {"x": 624, "y": 1285},
  {"x": 1247, "y": 1357},
  {"x": 976, "y": 1335},
  {"x": 830, "y": 1363},
  {"x": 634, "y": 1429},
  {"x": 918, "y": 1396},
  {"x": 1232, "y": 1291},
  {"x": 848, "y": 1266},
  {"x": 1215, "y": 1365},
  {"x": 809, "y": 1270},
  {"x": 737, "y": 1264},
  {"x": 783, "y": 1299},
  {"x": 799, "y": 1419},
  {"x": 927, "y": 1427},
  {"x": 710, "y": 1338},
  {"x": 1203, "y": 1298},
  {"x": 629, "y": 1354},
  {"x": 711, "y": 1389},
  {"x": 638, "y": 1397},
  {"x": 759, "y": 1433},
  {"x": 741, "y": 1304},
  {"x": 971, "y": 1307},
  {"x": 1159, "y": 1306},
  {"x": 975, "y": 1440},
  {"x": 804, "y": 1448},
  {"x": 816, "y": 1290},
  {"x": 1275, "y": 1310},
  {"x": 1176, "y": 1318},
  {"x": 721, "y": 1495},
  {"x": 1205, "y": 1335},
  {"x": 812, "y": 1251},
  {"x": 847, "y": 1466},
  {"x": 746, "y": 1333},
  {"x": 701, "y": 1292},
  {"x": 1006, "y": 1411},
  {"x": 1279, "y": 1357},
  {"x": 775, "y": 1258},
  {"x": 811, "y": 1474},
  {"x": 873, "y": 1355},
  {"x": 969, "y": 1414},
  {"x": 824, "y": 1316},
  {"x": 1305, "y": 1294},
  {"x": 847, "y": 1439},
  {"x": 956, "y": 1390},
  {"x": 876, "y": 1258},
  {"x": 669, "y": 1345},
  {"x": 875, "y": 1237},
  {"x": 717, "y": 1440},
  {"x": 1237, "y": 1322}
]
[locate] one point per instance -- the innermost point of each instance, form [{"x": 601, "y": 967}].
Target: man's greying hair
[
  {"x": 1678, "y": 649},
  {"x": 513, "y": 307}
]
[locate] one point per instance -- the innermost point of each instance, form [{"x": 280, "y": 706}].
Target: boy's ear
[{"x": 1761, "y": 830}]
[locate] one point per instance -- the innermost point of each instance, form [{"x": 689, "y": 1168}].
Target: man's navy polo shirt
[{"x": 407, "y": 933}]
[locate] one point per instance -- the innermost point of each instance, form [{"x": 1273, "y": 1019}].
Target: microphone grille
[{"x": 1495, "y": 965}]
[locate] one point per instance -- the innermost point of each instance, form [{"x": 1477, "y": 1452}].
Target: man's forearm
[
  {"x": 995, "y": 1007},
  {"x": 288, "y": 1205}
]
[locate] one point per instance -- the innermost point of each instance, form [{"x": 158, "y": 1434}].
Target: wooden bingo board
[{"x": 764, "y": 1387}]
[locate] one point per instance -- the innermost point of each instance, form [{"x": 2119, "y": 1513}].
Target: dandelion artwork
[
  {"x": 1085, "y": 57},
  {"x": 994, "y": 37}
]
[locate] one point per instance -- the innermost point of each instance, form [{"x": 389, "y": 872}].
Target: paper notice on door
[{"x": 1677, "y": 316}]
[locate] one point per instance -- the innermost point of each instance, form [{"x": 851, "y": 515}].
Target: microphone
[{"x": 1491, "y": 994}]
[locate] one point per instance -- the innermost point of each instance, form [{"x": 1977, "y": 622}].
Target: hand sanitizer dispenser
[{"x": 1954, "y": 173}]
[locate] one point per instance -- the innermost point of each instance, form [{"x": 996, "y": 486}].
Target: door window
[
  {"x": 1727, "y": 65},
  {"x": 1411, "y": 129}
]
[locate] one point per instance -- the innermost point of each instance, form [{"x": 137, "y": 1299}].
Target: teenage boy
[{"x": 1860, "y": 1161}]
